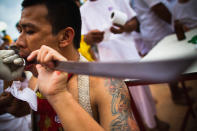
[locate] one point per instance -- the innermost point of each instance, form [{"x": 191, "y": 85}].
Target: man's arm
[
  {"x": 162, "y": 12},
  {"x": 93, "y": 37},
  {"x": 113, "y": 103},
  {"x": 131, "y": 25}
]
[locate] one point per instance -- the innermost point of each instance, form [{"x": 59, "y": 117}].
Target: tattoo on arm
[{"x": 120, "y": 107}]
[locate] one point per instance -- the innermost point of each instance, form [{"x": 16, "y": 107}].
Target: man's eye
[
  {"x": 19, "y": 30},
  {"x": 29, "y": 32}
]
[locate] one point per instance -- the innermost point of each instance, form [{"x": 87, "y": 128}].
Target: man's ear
[{"x": 66, "y": 37}]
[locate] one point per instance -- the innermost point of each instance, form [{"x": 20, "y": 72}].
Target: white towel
[{"x": 21, "y": 91}]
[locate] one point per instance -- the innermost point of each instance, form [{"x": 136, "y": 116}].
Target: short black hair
[{"x": 61, "y": 14}]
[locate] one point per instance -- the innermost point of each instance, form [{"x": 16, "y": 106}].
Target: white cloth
[
  {"x": 10, "y": 123},
  {"x": 21, "y": 91},
  {"x": 145, "y": 104},
  {"x": 152, "y": 28},
  {"x": 169, "y": 4},
  {"x": 96, "y": 15},
  {"x": 186, "y": 13}
]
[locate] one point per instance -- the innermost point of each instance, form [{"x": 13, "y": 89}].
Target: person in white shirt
[
  {"x": 155, "y": 23},
  {"x": 96, "y": 19},
  {"x": 185, "y": 12},
  {"x": 120, "y": 46}
]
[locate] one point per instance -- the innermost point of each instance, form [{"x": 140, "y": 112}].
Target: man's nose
[{"x": 20, "y": 41}]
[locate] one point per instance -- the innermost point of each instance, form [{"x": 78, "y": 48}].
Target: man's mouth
[
  {"x": 23, "y": 54},
  {"x": 28, "y": 64}
]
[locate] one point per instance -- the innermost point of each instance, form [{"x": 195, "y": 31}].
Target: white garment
[
  {"x": 8, "y": 122},
  {"x": 186, "y": 13},
  {"x": 145, "y": 104},
  {"x": 26, "y": 94},
  {"x": 96, "y": 15},
  {"x": 169, "y": 4},
  {"x": 152, "y": 28}
]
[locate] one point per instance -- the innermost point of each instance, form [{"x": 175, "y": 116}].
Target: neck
[{"x": 70, "y": 53}]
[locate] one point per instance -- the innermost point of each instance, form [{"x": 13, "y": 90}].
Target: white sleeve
[
  {"x": 152, "y": 3},
  {"x": 84, "y": 26},
  {"x": 124, "y": 6}
]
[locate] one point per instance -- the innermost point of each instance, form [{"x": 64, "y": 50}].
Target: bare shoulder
[
  {"x": 109, "y": 85},
  {"x": 103, "y": 82},
  {"x": 107, "y": 89}
]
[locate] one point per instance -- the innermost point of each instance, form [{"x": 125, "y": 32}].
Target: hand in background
[
  {"x": 131, "y": 25},
  {"x": 93, "y": 37}
]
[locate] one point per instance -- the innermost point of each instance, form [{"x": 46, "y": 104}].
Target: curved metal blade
[{"x": 163, "y": 70}]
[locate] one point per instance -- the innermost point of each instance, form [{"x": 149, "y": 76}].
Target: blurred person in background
[
  {"x": 119, "y": 46},
  {"x": 185, "y": 12}
]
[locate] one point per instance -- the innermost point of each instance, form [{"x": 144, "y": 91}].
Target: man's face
[{"x": 36, "y": 30}]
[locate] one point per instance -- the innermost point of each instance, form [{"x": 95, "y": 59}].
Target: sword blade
[{"x": 162, "y": 70}]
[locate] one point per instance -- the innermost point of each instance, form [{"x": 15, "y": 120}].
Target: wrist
[{"x": 58, "y": 97}]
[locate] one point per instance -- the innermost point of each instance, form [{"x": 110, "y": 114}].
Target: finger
[
  {"x": 101, "y": 38},
  {"x": 48, "y": 60},
  {"x": 33, "y": 55},
  {"x": 55, "y": 55},
  {"x": 43, "y": 54},
  {"x": 98, "y": 34},
  {"x": 98, "y": 39},
  {"x": 43, "y": 69},
  {"x": 10, "y": 59},
  {"x": 118, "y": 25},
  {"x": 6, "y": 53},
  {"x": 115, "y": 31},
  {"x": 19, "y": 61}
]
